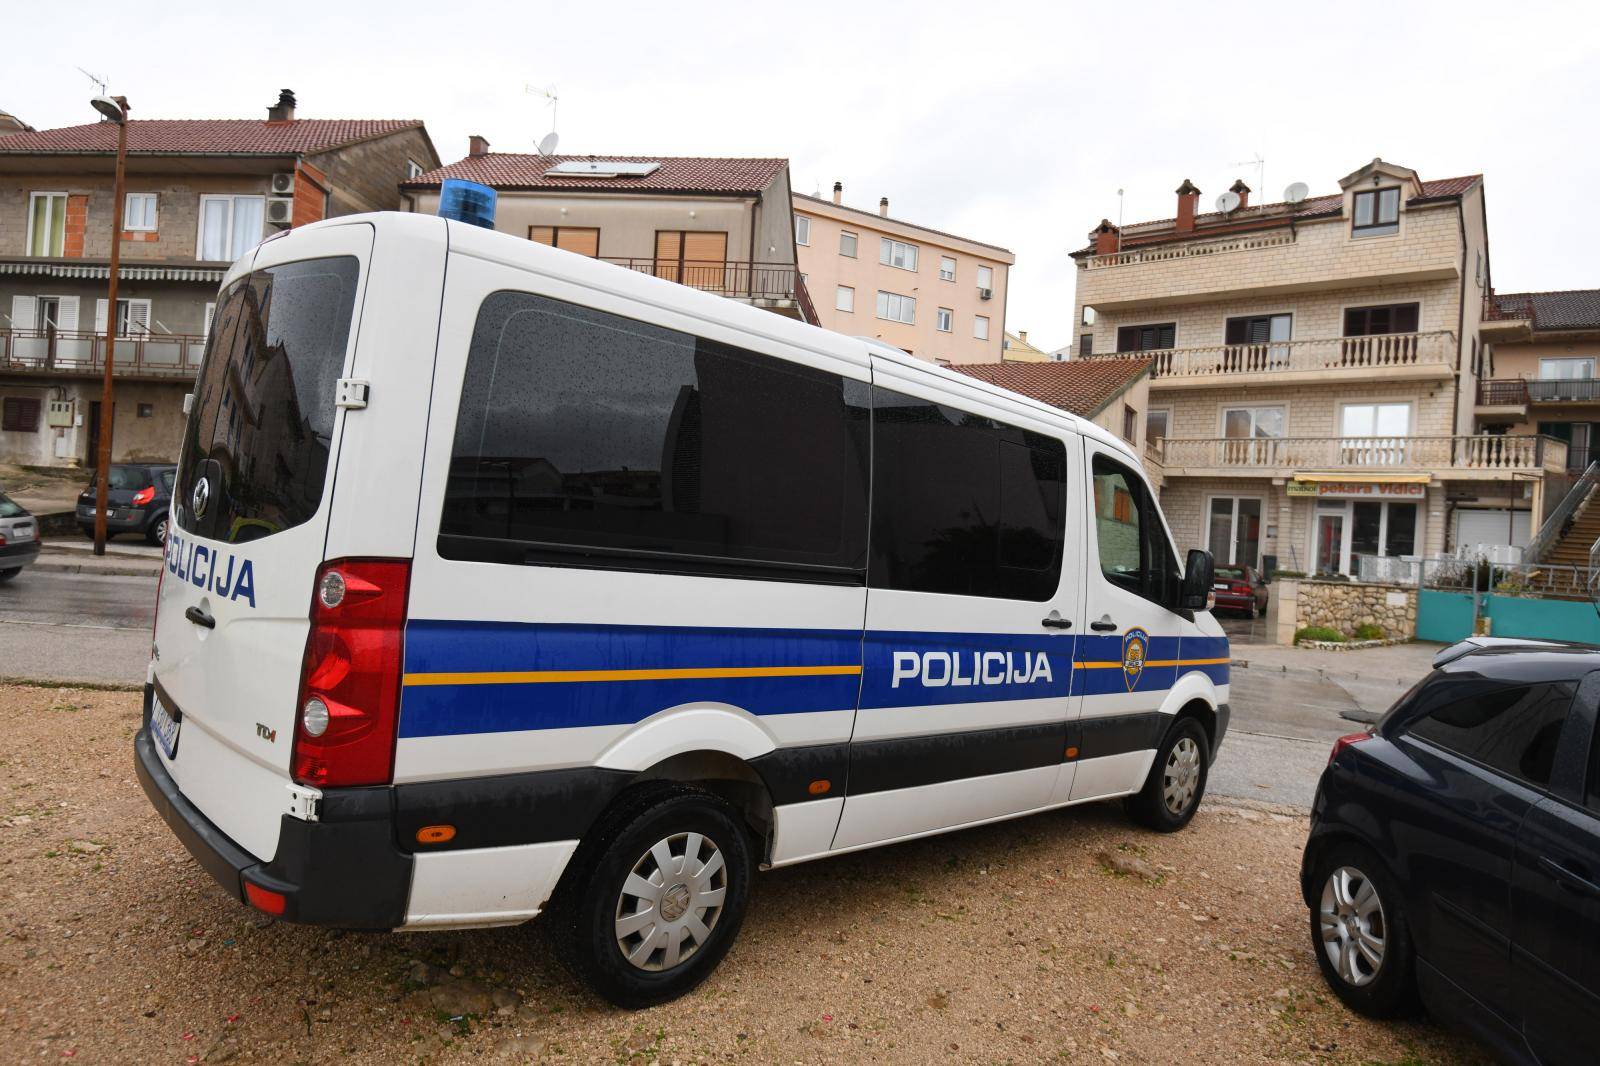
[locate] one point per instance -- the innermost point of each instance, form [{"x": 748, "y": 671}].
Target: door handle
[
  {"x": 1568, "y": 880},
  {"x": 1104, "y": 625},
  {"x": 200, "y": 618},
  {"x": 1054, "y": 621}
]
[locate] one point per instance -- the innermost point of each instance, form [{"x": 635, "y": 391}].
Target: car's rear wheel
[
  {"x": 1177, "y": 779},
  {"x": 655, "y": 895},
  {"x": 88, "y": 531},
  {"x": 7, "y": 575},
  {"x": 1360, "y": 932},
  {"x": 156, "y": 532}
]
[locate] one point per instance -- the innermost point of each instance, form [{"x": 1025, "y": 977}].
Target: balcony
[
  {"x": 1513, "y": 395},
  {"x": 1484, "y": 457},
  {"x": 773, "y": 286},
  {"x": 77, "y": 353},
  {"x": 1396, "y": 356}
]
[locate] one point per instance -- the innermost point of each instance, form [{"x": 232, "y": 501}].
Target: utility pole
[{"x": 115, "y": 109}]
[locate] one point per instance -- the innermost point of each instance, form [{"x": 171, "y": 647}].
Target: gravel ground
[{"x": 1015, "y": 943}]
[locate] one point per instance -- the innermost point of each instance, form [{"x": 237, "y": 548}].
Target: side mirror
[{"x": 1198, "y": 573}]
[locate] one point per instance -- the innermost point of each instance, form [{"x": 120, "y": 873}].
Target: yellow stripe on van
[
  {"x": 1153, "y": 662},
  {"x": 538, "y": 677}
]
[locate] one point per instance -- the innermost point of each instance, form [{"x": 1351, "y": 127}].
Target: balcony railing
[
  {"x": 1485, "y": 452},
  {"x": 156, "y": 355},
  {"x": 1188, "y": 250},
  {"x": 1380, "y": 352},
  {"x": 1516, "y": 392},
  {"x": 730, "y": 277}
]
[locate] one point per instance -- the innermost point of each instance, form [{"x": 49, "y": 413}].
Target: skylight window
[{"x": 601, "y": 168}]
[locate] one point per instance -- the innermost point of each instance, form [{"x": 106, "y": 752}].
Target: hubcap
[
  {"x": 1350, "y": 916},
  {"x": 671, "y": 901},
  {"x": 1180, "y": 780}
]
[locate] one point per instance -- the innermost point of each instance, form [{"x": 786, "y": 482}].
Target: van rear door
[{"x": 250, "y": 526}]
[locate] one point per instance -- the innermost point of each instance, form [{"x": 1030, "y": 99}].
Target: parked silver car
[{"x": 19, "y": 538}]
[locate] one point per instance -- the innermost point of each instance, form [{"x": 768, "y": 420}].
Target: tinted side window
[
  {"x": 1133, "y": 547},
  {"x": 963, "y": 504},
  {"x": 1514, "y": 730},
  {"x": 582, "y": 433}
]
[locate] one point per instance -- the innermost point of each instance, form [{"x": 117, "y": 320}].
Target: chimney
[
  {"x": 1022, "y": 334},
  {"x": 1188, "y": 199},
  {"x": 1243, "y": 190},
  {"x": 883, "y": 206},
  {"x": 283, "y": 110},
  {"x": 1106, "y": 237},
  {"x": 477, "y": 145},
  {"x": 838, "y": 192}
]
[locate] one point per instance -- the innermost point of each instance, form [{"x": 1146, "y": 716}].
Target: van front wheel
[
  {"x": 656, "y": 895},
  {"x": 1177, "y": 780}
]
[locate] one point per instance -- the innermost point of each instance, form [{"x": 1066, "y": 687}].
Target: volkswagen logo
[{"x": 201, "y": 499}]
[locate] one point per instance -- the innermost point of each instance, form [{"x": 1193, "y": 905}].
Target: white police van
[{"x": 503, "y": 580}]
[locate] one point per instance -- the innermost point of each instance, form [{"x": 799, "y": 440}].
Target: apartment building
[
  {"x": 723, "y": 225},
  {"x": 1314, "y": 372},
  {"x": 1541, "y": 376},
  {"x": 933, "y": 294},
  {"x": 200, "y": 193}
]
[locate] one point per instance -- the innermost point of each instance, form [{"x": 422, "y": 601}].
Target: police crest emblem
[{"x": 1135, "y": 648}]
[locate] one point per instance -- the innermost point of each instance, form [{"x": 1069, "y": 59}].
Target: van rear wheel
[{"x": 655, "y": 895}]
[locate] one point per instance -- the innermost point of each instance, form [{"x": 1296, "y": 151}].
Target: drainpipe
[{"x": 750, "y": 268}]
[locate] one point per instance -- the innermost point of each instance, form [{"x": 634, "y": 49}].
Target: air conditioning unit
[
  {"x": 280, "y": 210},
  {"x": 985, "y": 294},
  {"x": 283, "y": 184}
]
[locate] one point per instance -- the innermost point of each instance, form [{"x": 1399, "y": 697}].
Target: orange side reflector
[
  {"x": 1072, "y": 753},
  {"x": 264, "y": 900},
  {"x": 435, "y": 834},
  {"x": 819, "y": 787}
]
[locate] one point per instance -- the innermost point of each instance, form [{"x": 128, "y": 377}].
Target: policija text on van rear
[{"x": 503, "y": 581}]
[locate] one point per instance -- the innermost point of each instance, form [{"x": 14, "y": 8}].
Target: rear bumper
[
  {"x": 119, "y": 519},
  {"x": 343, "y": 870},
  {"x": 16, "y": 556}
]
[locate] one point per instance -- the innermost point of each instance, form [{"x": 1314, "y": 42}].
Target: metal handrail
[{"x": 1560, "y": 521}]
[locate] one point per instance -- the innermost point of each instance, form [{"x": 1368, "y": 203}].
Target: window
[
  {"x": 1086, "y": 344},
  {"x": 1375, "y": 420},
  {"x": 1383, "y": 528},
  {"x": 897, "y": 254},
  {"x": 1157, "y": 424},
  {"x": 697, "y": 258},
  {"x": 19, "y": 414},
  {"x": 1512, "y": 730},
  {"x": 986, "y": 277},
  {"x": 1377, "y": 212},
  {"x": 585, "y": 240},
  {"x": 1130, "y": 424},
  {"x": 1258, "y": 329},
  {"x": 1133, "y": 549},
  {"x": 211, "y": 313},
  {"x": 947, "y": 268},
  {"x": 47, "y": 223},
  {"x": 229, "y": 226},
  {"x": 980, "y": 327},
  {"x": 133, "y": 318},
  {"x": 263, "y": 410},
  {"x": 1235, "y": 530},
  {"x": 847, "y": 244},
  {"x": 844, "y": 298},
  {"x": 944, "y": 320},
  {"x": 1370, "y": 321},
  {"x": 1566, "y": 368},
  {"x": 802, "y": 230},
  {"x": 584, "y": 436},
  {"x": 897, "y": 308},
  {"x": 1150, "y": 338},
  {"x": 963, "y": 504},
  {"x": 146, "y": 410},
  {"x": 139, "y": 212},
  {"x": 413, "y": 170},
  {"x": 1088, "y": 316},
  {"x": 1246, "y": 423}
]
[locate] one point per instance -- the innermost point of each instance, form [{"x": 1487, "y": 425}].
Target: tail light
[
  {"x": 144, "y": 495},
  {"x": 350, "y": 682},
  {"x": 1348, "y": 740}
]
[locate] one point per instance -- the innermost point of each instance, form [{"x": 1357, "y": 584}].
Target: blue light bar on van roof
[{"x": 467, "y": 201}]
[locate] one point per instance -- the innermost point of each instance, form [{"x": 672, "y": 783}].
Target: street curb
[
  {"x": 104, "y": 571},
  {"x": 96, "y": 686}
]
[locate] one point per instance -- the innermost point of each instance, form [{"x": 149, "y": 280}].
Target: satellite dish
[
  {"x": 1296, "y": 193},
  {"x": 1228, "y": 202},
  {"x": 547, "y": 143}
]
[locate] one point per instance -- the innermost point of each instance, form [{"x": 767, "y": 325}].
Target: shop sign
[{"x": 1359, "y": 490}]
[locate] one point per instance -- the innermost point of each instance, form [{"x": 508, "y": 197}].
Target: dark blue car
[{"x": 1454, "y": 854}]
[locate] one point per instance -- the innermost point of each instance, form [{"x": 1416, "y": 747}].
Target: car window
[
  {"x": 1133, "y": 547},
  {"x": 168, "y": 479},
  {"x": 1514, "y": 730},
  {"x": 128, "y": 477},
  {"x": 8, "y": 509},
  {"x": 1229, "y": 571}
]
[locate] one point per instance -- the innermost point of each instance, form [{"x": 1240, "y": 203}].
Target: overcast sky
[{"x": 1013, "y": 124}]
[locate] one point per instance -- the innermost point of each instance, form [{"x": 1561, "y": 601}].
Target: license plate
[
  {"x": 1220, "y": 587},
  {"x": 164, "y": 727},
  {"x": 21, "y": 533}
]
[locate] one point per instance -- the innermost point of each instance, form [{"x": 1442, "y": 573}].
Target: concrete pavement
[{"x": 76, "y": 627}]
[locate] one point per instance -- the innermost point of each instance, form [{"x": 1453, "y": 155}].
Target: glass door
[
  {"x": 1235, "y": 530},
  {"x": 1332, "y": 554}
]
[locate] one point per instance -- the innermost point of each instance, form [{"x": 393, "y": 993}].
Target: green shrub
[
  {"x": 1368, "y": 631},
  {"x": 1319, "y": 633}
]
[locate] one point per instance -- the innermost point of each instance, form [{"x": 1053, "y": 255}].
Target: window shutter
[
  {"x": 67, "y": 316},
  {"x": 100, "y": 318},
  {"x": 22, "y": 312},
  {"x": 211, "y": 309},
  {"x": 582, "y": 241},
  {"x": 138, "y": 318},
  {"x": 542, "y": 234},
  {"x": 705, "y": 247}
]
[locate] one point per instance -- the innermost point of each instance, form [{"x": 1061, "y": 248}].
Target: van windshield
[{"x": 261, "y": 425}]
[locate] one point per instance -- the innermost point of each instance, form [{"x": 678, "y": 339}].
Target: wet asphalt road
[{"x": 90, "y": 628}]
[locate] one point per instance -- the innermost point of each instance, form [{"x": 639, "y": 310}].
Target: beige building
[
  {"x": 1014, "y": 348},
  {"x": 722, "y": 225},
  {"x": 935, "y": 295},
  {"x": 1315, "y": 369}
]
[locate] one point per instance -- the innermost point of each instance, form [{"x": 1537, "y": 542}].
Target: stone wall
[{"x": 1344, "y": 605}]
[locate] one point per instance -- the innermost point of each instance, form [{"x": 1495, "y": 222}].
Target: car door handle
[
  {"x": 1567, "y": 879},
  {"x": 200, "y": 618},
  {"x": 1055, "y": 621},
  {"x": 1104, "y": 625}
]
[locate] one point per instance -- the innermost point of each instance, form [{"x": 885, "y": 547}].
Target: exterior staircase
[{"x": 1573, "y": 547}]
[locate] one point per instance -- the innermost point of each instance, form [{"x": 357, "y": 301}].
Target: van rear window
[{"x": 261, "y": 424}]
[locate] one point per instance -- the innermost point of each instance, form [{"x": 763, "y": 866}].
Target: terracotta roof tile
[
  {"x": 1567, "y": 309},
  {"x": 1082, "y": 386},
  {"x": 502, "y": 170},
  {"x": 206, "y": 136}
]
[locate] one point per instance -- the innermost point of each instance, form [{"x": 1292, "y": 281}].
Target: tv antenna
[
  {"x": 1261, "y": 169},
  {"x": 99, "y": 82},
  {"x": 547, "y": 143}
]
